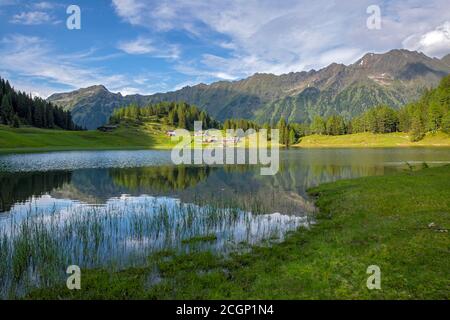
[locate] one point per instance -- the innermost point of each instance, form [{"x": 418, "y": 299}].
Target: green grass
[
  {"x": 152, "y": 136},
  {"x": 383, "y": 220},
  {"x": 364, "y": 140},
  {"x": 29, "y": 139},
  {"x": 193, "y": 240}
]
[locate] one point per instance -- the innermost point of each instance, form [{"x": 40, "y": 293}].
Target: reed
[{"x": 38, "y": 246}]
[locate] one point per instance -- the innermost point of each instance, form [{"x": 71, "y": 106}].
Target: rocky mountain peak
[{"x": 392, "y": 78}]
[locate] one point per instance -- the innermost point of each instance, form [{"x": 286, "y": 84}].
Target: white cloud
[
  {"x": 434, "y": 43},
  {"x": 138, "y": 46},
  {"x": 144, "y": 46},
  {"x": 31, "y": 18},
  {"x": 187, "y": 68},
  {"x": 44, "y": 5},
  {"x": 188, "y": 83},
  {"x": 128, "y": 91},
  {"x": 35, "y": 58},
  {"x": 339, "y": 55},
  {"x": 33, "y": 65},
  {"x": 289, "y": 35},
  {"x": 130, "y": 10}
]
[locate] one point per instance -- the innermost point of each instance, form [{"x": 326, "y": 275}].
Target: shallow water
[{"x": 114, "y": 208}]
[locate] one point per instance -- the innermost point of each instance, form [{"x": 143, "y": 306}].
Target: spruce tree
[
  {"x": 6, "y": 110},
  {"x": 417, "y": 127},
  {"x": 446, "y": 123},
  {"x": 282, "y": 130},
  {"x": 292, "y": 137},
  {"x": 318, "y": 125}
]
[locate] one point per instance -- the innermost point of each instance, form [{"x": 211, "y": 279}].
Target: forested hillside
[
  {"x": 180, "y": 115},
  {"x": 19, "y": 108},
  {"x": 430, "y": 113}
]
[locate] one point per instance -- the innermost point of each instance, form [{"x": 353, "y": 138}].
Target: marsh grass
[
  {"x": 392, "y": 221},
  {"x": 38, "y": 245},
  {"x": 207, "y": 238}
]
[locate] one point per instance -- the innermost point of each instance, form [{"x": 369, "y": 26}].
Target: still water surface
[{"x": 115, "y": 208}]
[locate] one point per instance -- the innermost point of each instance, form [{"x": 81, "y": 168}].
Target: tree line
[
  {"x": 288, "y": 133},
  {"x": 240, "y": 124},
  {"x": 178, "y": 114},
  {"x": 19, "y": 108}
]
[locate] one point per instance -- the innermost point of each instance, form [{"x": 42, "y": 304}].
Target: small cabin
[{"x": 107, "y": 128}]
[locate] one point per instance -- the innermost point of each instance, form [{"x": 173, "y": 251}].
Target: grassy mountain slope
[
  {"x": 446, "y": 59},
  {"x": 27, "y": 139},
  {"x": 394, "y": 78},
  {"x": 91, "y": 107}
]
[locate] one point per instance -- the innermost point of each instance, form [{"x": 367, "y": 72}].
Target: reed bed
[{"x": 36, "y": 246}]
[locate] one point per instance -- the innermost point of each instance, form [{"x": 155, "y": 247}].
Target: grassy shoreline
[
  {"x": 371, "y": 140},
  {"x": 32, "y": 140},
  {"x": 27, "y": 140},
  {"x": 398, "y": 222}
]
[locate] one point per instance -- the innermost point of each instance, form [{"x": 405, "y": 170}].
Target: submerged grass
[
  {"x": 398, "y": 222},
  {"x": 207, "y": 238},
  {"x": 36, "y": 247}
]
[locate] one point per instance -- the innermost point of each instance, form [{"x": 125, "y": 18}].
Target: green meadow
[
  {"x": 373, "y": 140},
  {"x": 398, "y": 222},
  {"x": 28, "y": 139},
  {"x": 152, "y": 136}
]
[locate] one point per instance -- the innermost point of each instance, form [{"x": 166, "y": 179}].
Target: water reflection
[
  {"x": 285, "y": 192},
  {"x": 19, "y": 187},
  {"x": 115, "y": 208}
]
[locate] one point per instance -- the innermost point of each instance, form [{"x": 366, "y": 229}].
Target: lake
[{"x": 114, "y": 209}]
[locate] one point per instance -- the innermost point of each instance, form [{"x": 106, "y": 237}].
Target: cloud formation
[
  {"x": 145, "y": 46},
  {"x": 433, "y": 43},
  {"x": 31, "y": 18},
  {"x": 160, "y": 45},
  {"x": 292, "y": 35},
  {"x": 34, "y": 57}
]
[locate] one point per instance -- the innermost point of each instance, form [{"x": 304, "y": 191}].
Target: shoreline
[
  {"x": 357, "y": 227},
  {"x": 32, "y": 140},
  {"x": 19, "y": 151}
]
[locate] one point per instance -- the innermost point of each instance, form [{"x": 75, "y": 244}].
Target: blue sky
[{"x": 149, "y": 46}]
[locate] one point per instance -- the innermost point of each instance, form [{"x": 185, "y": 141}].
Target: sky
[{"x": 149, "y": 46}]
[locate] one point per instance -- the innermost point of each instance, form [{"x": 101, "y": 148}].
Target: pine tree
[
  {"x": 181, "y": 118},
  {"x": 292, "y": 137},
  {"x": 282, "y": 127},
  {"x": 17, "y": 107},
  {"x": 434, "y": 117},
  {"x": 6, "y": 110},
  {"x": 15, "y": 122},
  {"x": 335, "y": 125},
  {"x": 318, "y": 125},
  {"x": 446, "y": 123},
  {"x": 417, "y": 127}
]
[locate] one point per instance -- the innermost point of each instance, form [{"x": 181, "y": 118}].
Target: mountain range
[{"x": 394, "y": 78}]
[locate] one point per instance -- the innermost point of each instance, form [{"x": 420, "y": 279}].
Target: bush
[{"x": 416, "y": 136}]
